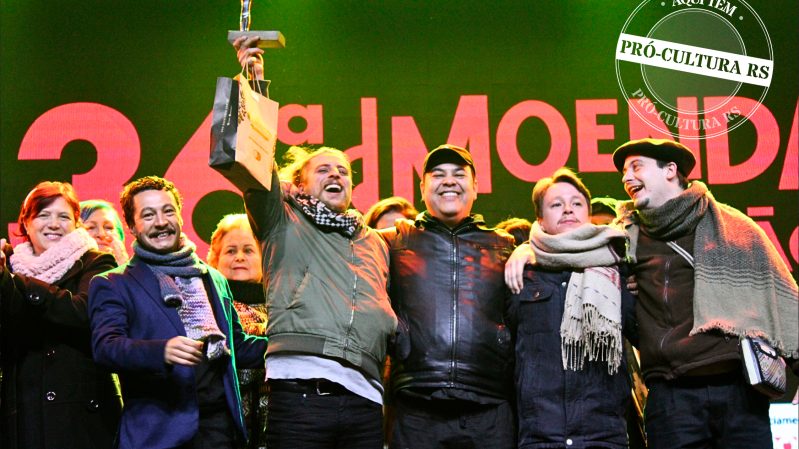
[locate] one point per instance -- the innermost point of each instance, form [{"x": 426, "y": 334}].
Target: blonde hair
[
  {"x": 227, "y": 224},
  {"x": 298, "y": 157}
]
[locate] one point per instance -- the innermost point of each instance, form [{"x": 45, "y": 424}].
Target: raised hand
[{"x": 250, "y": 56}]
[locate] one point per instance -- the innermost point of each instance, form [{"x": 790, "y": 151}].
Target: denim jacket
[{"x": 557, "y": 407}]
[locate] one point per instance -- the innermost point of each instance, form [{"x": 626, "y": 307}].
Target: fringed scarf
[
  {"x": 591, "y": 324},
  {"x": 52, "y": 264},
  {"x": 741, "y": 284},
  {"x": 186, "y": 292}
]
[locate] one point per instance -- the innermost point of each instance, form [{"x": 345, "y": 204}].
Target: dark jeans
[
  {"x": 308, "y": 420},
  {"x": 420, "y": 424},
  {"x": 719, "y": 411},
  {"x": 217, "y": 430}
]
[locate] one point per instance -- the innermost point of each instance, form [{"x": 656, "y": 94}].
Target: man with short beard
[
  {"x": 707, "y": 276},
  {"x": 452, "y": 371},
  {"x": 329, "y": 317},
  {"x": 165, "y": 323}
]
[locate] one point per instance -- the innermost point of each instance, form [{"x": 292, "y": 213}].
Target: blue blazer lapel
[{"x": 145, "y": 277}]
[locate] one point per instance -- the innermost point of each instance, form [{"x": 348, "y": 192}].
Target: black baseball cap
[
  {"x": 660, "y": 149},
  {"x": 447, "y": 154}
]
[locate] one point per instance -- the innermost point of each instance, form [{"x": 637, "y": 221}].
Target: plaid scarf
[
  {"x": 181, "y": 285},
  {"x": 742, "y": 286},
  {"x": 346, "y": 223}
]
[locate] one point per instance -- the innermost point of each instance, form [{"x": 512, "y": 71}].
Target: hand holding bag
[{"x": 244, "y": 133}]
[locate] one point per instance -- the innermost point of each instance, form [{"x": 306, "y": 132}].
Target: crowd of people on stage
[{"x": 313, "y": 326}]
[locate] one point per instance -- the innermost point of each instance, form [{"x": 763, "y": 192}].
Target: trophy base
[{"x": 269, "y": 39}]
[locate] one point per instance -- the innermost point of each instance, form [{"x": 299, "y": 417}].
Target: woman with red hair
[{"x": 54, "y": 396}]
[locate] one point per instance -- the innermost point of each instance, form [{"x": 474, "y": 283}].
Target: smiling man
[
  {"x": 329, "y": 317},
  {"x": 707, "y": 276},
  {"x": 165, "y": 323},
  {"x": 452, "y": 370}
]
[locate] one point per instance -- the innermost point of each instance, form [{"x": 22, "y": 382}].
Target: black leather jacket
[{"x": 448, "y": 290}]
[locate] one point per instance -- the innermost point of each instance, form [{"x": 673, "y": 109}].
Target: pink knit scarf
[{"x": 52, "y": 264}]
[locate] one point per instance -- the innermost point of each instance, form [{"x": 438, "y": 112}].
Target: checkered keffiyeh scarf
[
  {"x": 346, "y": 223},
  {"x": 179, "y": 276}
]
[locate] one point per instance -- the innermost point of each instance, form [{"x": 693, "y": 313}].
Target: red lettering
[
  {"x": 470, "y": 127},
  {"x": 313, "y": 129},
  {"x": 788, "y": 180},
  {"x": 766, "y": 226},
  {"x": 114, "y": 138},
  {"x": 589, "y": 134},
  {"x": 687, "y": 107},
  {"x": 687, "y": 123},
  {"x": 367, "y": 192},
  {"x": 719, "y": 170},
  {"x": 640, "y": 128},
  {"x": 13, "y": 230},
  {"x": 408, "y": 152},
  {"x": 793, "y": 244},
  {"x": 767, "y": 211},
  {"x": 509, "y": 152},
  {"x": 111, "y": 133},
  {"x": 194, "y": 179}
]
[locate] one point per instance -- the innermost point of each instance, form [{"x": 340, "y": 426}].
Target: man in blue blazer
[{"x": 164, "y": 322}]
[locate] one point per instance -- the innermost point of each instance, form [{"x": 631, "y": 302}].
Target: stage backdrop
[{"x": 99, "y": 93}]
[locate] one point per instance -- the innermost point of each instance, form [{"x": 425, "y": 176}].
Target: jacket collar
[
  {"x": 473, "y": 221},
  {"x": 73, "y": 271}
]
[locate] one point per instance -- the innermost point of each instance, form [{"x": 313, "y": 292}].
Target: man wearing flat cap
[
  {"x": 707, "y": 276},
  {"x": 453, "y": 364}
]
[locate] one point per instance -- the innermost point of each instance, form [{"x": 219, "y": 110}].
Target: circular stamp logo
[{"x": 694, "y": 69}]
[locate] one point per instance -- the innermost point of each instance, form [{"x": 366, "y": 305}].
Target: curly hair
[{"x": 140, "y": 185}]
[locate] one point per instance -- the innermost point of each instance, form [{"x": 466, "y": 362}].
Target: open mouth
[
  {"x": 449, "y": 194},
  {"x": 333, "y": 188},
  {"x": 52, "y": 236},
  {"x": 162, "y": 234},
  {"x": 632, "y": 190}
]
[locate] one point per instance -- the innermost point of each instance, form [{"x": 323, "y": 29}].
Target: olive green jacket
[{"x": 326, "y": 293}]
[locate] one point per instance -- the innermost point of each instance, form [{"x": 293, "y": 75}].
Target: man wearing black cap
[
  {"x": 452, "y": 367},
  {"x": 707, "y": 275}
]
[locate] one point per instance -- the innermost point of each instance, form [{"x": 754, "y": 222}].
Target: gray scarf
[
  {"x": 186, "y": 292},
  {"x": 183, "y": 262}
]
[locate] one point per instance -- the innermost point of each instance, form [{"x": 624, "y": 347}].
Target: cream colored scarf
[
  {"x": 52, "y": 264},
  {"x": 591, "y": 324}
]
